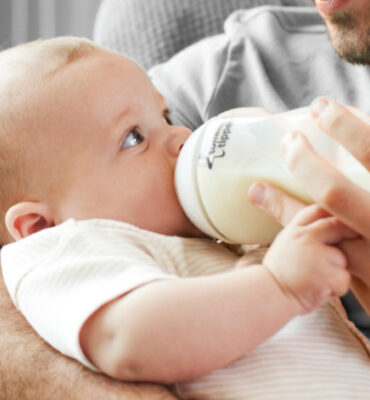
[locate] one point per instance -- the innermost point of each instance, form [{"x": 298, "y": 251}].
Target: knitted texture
[{"x": 151, "y": 31}]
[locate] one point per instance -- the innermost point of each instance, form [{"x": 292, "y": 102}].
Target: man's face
[
  {"x": 120, "y": 147},
  {"x": 348, "y": 23}
]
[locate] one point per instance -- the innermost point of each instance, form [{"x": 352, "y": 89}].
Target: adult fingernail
[
  {"x": 256, "y": 193},
  {"x": 318, "y": 107}
]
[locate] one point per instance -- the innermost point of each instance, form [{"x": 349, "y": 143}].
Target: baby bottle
[{"x": 224, "y": 156}]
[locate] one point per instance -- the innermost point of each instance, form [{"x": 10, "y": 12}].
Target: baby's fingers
[
  {"x": 341, "y": 282},
  {"x": 331, "y": 231},
  {"x": 309, "y": 214}
]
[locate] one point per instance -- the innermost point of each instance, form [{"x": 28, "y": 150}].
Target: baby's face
[{"x": 121, "y": 146}]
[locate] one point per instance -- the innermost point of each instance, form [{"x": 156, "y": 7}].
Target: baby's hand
[{"x": 305, "y": 262}]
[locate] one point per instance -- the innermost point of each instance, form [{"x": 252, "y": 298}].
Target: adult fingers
[
  {"x": 351, "y": 129},
  {"x": 358, "y": 254},
  {"x": 362, "y": 293},
  {"x": 274, "y": 202},
  {"x": 326, "y": 185}
]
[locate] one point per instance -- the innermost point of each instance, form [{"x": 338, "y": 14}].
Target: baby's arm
[{"x": 174, "y": 330}]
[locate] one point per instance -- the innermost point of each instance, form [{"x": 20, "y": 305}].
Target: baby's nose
[{"x": 178, "y": 138}]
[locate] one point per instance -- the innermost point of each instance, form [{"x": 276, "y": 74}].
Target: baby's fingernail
[
  {"x": 318, "y": 107},
  {"x": 257, "y": 193}
]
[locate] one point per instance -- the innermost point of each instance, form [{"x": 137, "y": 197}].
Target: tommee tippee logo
[{"x": 217, "y": 147}]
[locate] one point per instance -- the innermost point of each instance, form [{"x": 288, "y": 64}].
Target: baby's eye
[
  {"x": 166, "y": 117},
  {"x": 133, "y": 138}
]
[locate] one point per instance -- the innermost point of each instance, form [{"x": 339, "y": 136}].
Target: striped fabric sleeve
[{"x": 60, "y": 277}]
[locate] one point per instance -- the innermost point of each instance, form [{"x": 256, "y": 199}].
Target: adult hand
[{"x": 332, "y": 190}]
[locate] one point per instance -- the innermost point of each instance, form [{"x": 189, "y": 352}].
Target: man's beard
[{"x": 348, "y": 40}]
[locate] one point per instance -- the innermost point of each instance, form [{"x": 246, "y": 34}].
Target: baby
[{"x": 109, "y": 270}]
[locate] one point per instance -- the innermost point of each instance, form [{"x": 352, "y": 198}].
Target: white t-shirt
[
  {"x": 58, "y": 277},
  {"x": 277, "y": 58}
]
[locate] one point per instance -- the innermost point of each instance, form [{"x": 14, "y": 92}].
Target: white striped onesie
[{"x": 58, "y": 277}]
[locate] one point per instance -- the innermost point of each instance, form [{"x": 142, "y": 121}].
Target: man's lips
[{"x": 329, "y": 6}]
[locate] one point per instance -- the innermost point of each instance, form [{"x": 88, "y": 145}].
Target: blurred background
[{"x": 25, "y": 20}]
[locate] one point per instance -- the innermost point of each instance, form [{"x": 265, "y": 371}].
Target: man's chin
[
  {"x": 351, "y": 46},
  {"x": 353, "y": 56},
  {"x": 348, "y": 24}
]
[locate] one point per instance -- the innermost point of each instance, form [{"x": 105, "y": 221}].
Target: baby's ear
[{"x": 23, "y": 219}]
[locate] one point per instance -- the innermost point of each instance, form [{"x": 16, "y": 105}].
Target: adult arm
[
  {"x": 30, "y": 369},
  {"x": 329, "y": 188}
]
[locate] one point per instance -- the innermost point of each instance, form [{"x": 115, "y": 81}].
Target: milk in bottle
[{"x": 223, "y": 157}]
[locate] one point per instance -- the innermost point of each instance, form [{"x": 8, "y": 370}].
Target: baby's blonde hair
[{"x": 24, "y": 67}]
